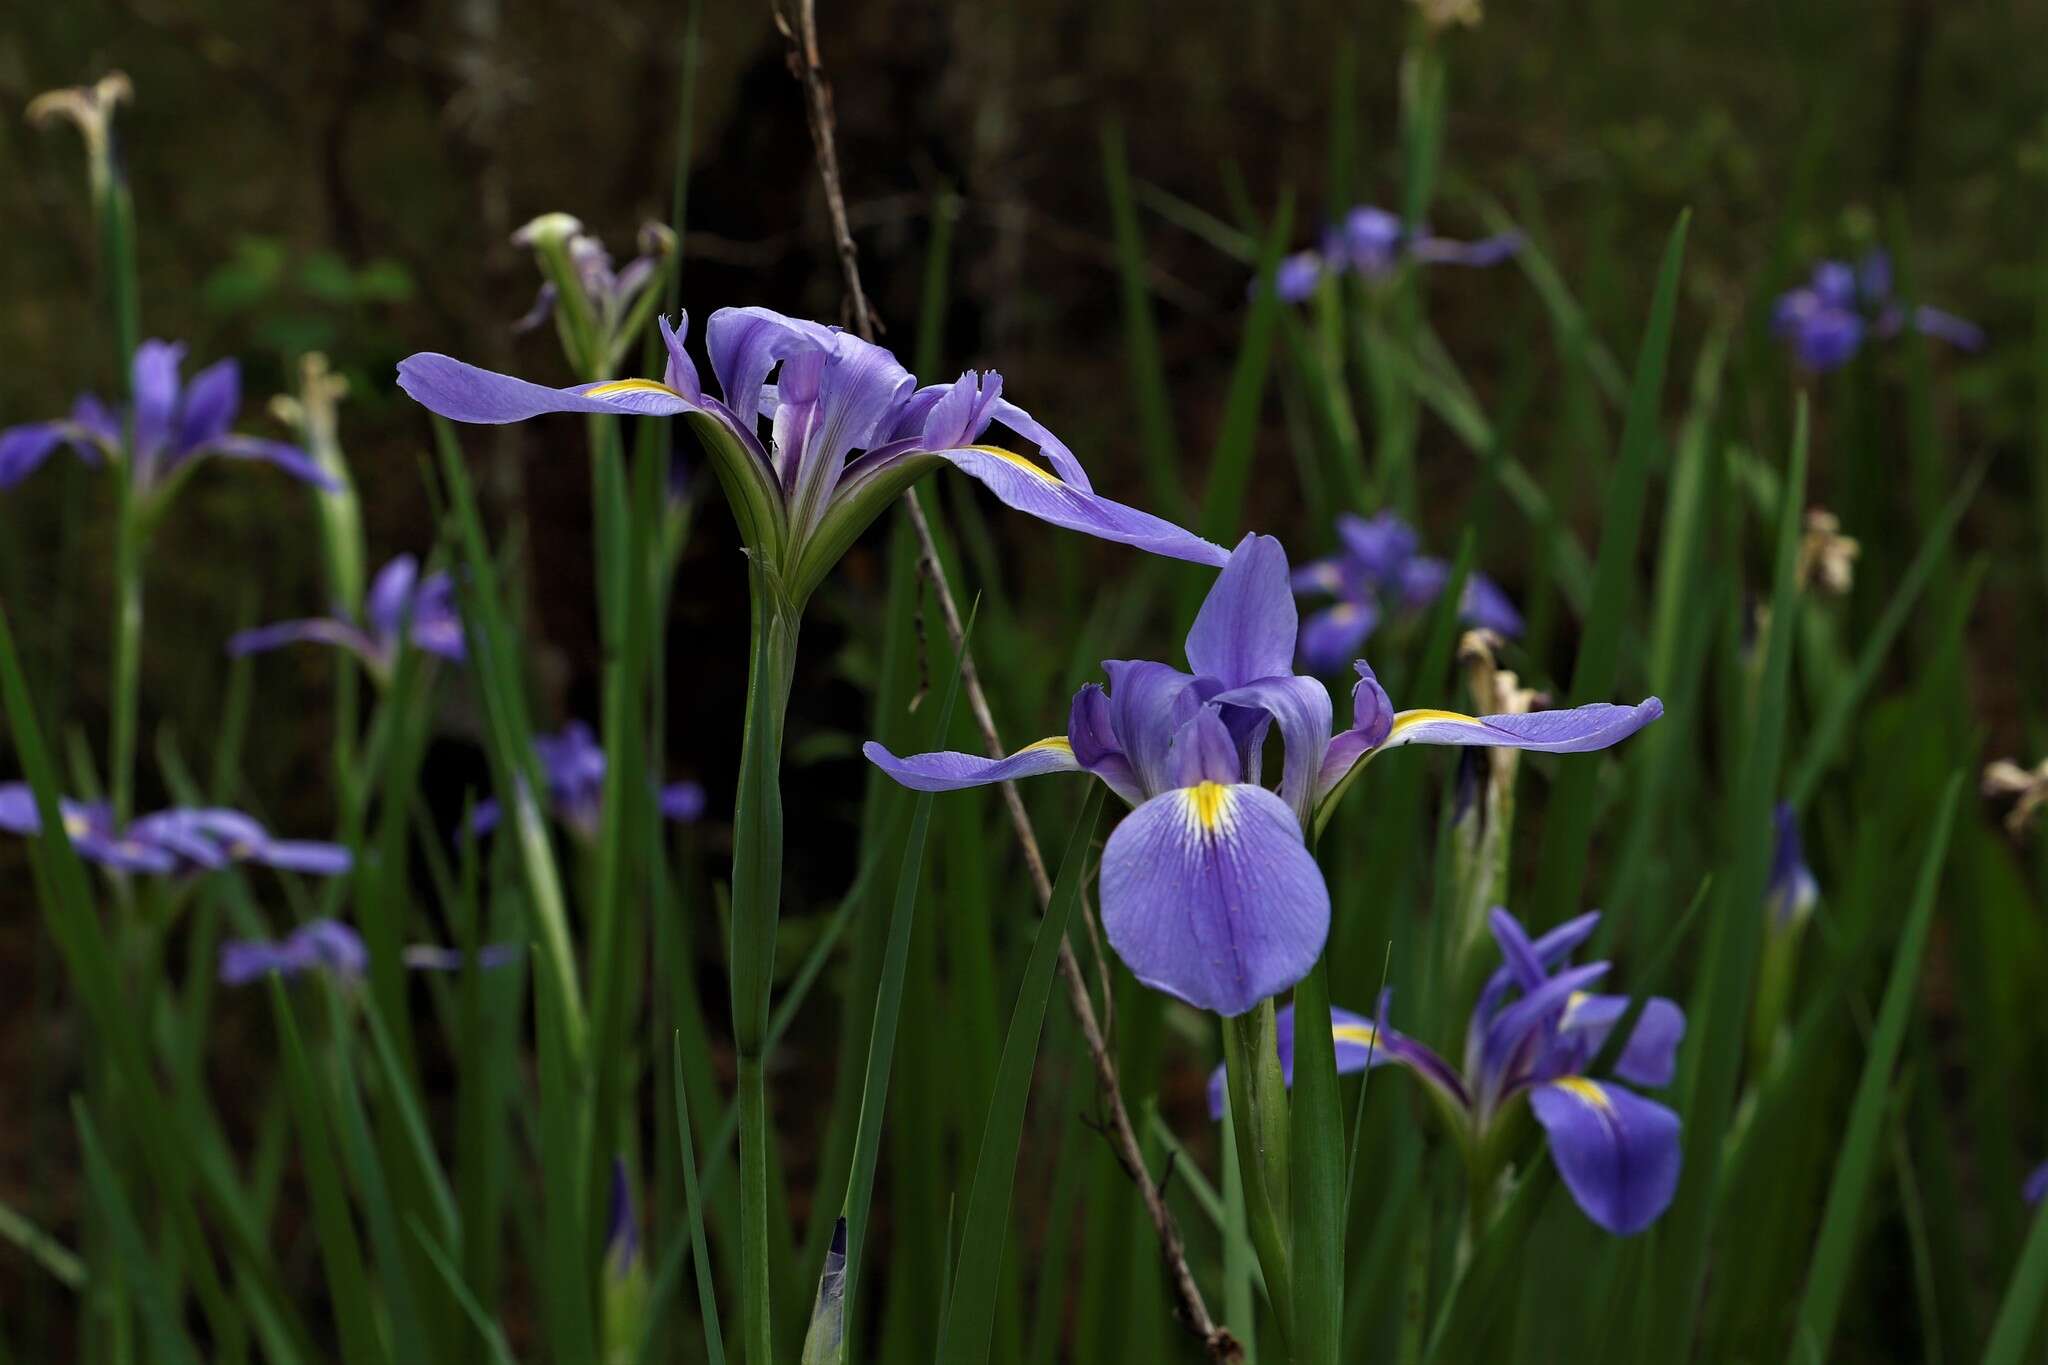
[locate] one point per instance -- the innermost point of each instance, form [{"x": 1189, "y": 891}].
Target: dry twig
[{"x": 800, "y": 29}]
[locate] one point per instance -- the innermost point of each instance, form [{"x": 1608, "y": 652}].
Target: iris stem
[
  {"x": 756, "y": 906},
  {"x": 1258, "y": 1115},
  {"x": 127, "y": 648}
]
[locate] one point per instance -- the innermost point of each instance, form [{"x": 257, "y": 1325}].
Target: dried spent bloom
[
  {"x": 1532, "y": 1036},
  {"x": 89, "y": 108},
  {"x": 1826, "y": 556},
  {"x": 573, "y": 767},
  {"x": 1826, "y": 321},
  {"x": 170, "y": 426},
  {"x": 328, "y": 945},
  {"x": 1379, "y": 569},
  {"x": 400, "y": 605},
  {"x": 849, "y": 429},
  {"x": 2003, "y": 778},
  {"x": 170, "y": 842},
  {"x": 1209, "y": 892}
]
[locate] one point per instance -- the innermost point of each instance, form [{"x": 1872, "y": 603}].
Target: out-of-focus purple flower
[
  {"x": 573, "y": 766},
  {"x": 1827, "y": 320},
  {"x": 1373, "y": 243},
  {"x": 848, "y": 429},
  {"x": 328, "y": 945},
  {"x": 1533, "y": 1034},
  {"x": 1208, "y": 889},
  {"x": 171, "y": 841},
  {"x": 622, "y": 1226},
  {"x": 614, "y": 305},
  {"x": 1376, "y": 570},
  {"x": 2036, "y": 1187},
  {"x": 399, "y": 600},
  {"x": 172, "y": 426},
  {"x": 1792, "y": 892}
]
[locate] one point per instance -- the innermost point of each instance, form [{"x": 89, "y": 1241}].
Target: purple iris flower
[
  {"x": 1209, "y": 892},
  {"x": 1793, "y": 891},
  {"x": 848, "y": 429},
  {"x": 328, "y": 945},
  {"x": 1378, "y": 568},
  {"x": 171, "y": 841},
  {"x": 2036, "y": 1187},
  {"x": 573, "y": 766},
  {"x": 1827, "y": 320},
  {"x": 1535, "y": 1030},
  {"x": 1373, "y": 243},
  {"x": 617, "y": 301},
  {"x": 399, "y": 601},
  {"x": 175, "y": 425}
]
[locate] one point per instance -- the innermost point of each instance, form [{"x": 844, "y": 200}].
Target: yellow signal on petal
[
  {"x": 1209, "y": 806},
  {"x": 619, "y": 386},
  {"x": 1364, "y": 1035},
  {"x": 1587, "y": 1092},
  {"x": 1049, "y": 742},
  {"x": 1018, "y": 460},
  {"x": 1408, "y": 718}
]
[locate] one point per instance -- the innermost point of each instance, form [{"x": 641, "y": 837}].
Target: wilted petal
[
  {"x": 1245, "y": 629},
  {"x": 1578, "y": 730},
  {"x": 1617, "y": 1152},
  {"x": 951, "y": 770},
  {"x": 1210, "y": 895}
]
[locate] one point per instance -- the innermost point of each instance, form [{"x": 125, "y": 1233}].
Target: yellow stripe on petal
[
  {"x": 1587, "y": 1093},
  {"x": 1049, "y": 742},
  {"x": 1209, "y": 807},
  {"x": 1014, "y": 458},
  {"x": 77, "y": 826},
  {"x": 1365, "y": 1035},
  {"x": 619, "y": 386},
  {"x": 1407, "y": 719}
]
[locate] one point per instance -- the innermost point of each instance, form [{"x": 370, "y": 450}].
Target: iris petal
[
  {"x": 1617, "y": 1152},
  {"x": 1246, "y": 627},
  {"x": 1581, "y": 729},
  {"x": 1027, "y": 487},
  {"x": 1209, "y": 894},
  {"x": 463, "y": 392},
  {"x": 951, "y": 770}
]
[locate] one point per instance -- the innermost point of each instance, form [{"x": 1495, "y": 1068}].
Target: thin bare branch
[{"x": 800, "y": 29}]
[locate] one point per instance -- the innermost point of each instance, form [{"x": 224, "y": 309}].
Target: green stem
[
  {"x": 127, "y": 647},
  {"x": 1258, "y": 1114},
  {"x": 756, "y": 905}
]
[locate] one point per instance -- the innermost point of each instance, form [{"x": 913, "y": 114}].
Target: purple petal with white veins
[
  {"x": 1245, "y": 629},
  {"x": 1617, "y": 1152},
  {"x": 1210, "y": 895},
  {"x": 1025, "y": 486},
  {"x": 951, "y": 770},
  {"x": 1577, "y": 730}
]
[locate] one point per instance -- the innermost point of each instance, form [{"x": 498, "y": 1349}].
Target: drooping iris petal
[
  {"x": 1300, "y": 707},
  {"x": 468, "y": 393},
  {"x": 1245, "y": 629},
  {"x": 951, "y": 770},
  {"x": 1209, "y": 894},
  {"x": 1650, "y": 1055},
  {"x": 24, "y": 448},
  {"x": 281, "y": 454},
  {"x": 1617, "y": 1152},
  {"x": 1028, "y": 488},
  {"x": 316, "y": 631},
  {"x": 1577, "y": 730}
]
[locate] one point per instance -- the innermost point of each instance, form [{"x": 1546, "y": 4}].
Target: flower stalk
[{"x": 1258, "y": 1115}]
